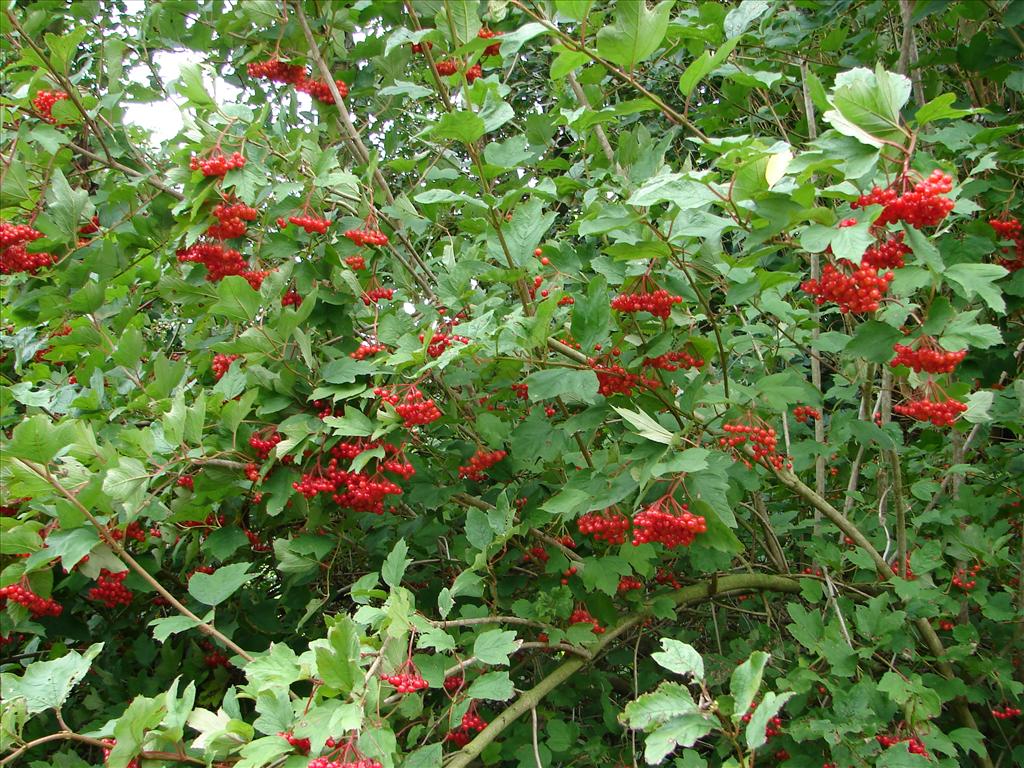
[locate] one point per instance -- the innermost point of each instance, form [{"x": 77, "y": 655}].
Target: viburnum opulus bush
[{"x": 514, "y": 383}]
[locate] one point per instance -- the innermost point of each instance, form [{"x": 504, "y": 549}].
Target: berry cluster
[
  {"x": 232, "y": 218},
  {"x": 356, "y": 262},
  {"x": 187, "y": 481},
  {"x": 367, "y": 349},
  {"x": 674, "y": 361},
  {"x": 131, "y": 531},
  {"x": 964, "y": 578},
  {"x": 665, "y": 577},
  {"x": 110, "y": 589},
  {"x": 609, "y": 526},
  {"x": 366, "y": 236},
  {"x": 613, "y": 379},
  {"x": 320, "y": 90},
  {"x": 471, "y": 723},
  {"x": 440, "y": 341},
  {"x": 420, "y": 47},
  {"x": 941, "y": 413},
  {"x": 914, "y": 745},
  {"x": 291, "y": 298},
  {"x": 479, "y": 463},
  {"x": 406, "y": 681},
  {"x": 487, "y": 34},
  {"x": 14, "y": 257},
  {"x": 774, "y": 726},
  {"x": 217, "y": 164},
  {"x": 262, "y": 446},
  {"x": 582, "y": 616},
  {"x": 658, "y": 303},
  {"x": 1010, "y": 229},
  {"x": 366, "y": 493},
  {"x": 923, "y": 206},
  {"x": 300, "y": 745},
  {"x": 628, "y": 583},
  {"x": 762, "y": 442},
  {"x": 928, "y": 356},
  {"x": 906, "y": 567},
  {"x": 414, "y": 408},
  {"x": 221, "y": 262},
  {"x": 1006, "y": 712},
  {"x": 44, "y": 101},
  {"x": 324, "y": 762},
  {"x": 454, "y": 683},
  {"x": 447, "y": 67},
  {"x": 221, "y": 364},
  {"x": 350, "y": 449},
  {"x": 38, "y": 606},
  {"x": 373, "y": 295},
  {"x": 668, "y": 522},
  {"x": 277, "y": 71},
  {"x": 887, "y": 254},
  {"x": 804, "y": 412},
  {"x": 859, "y": 291},
  {"x": 309, "y": 223}
]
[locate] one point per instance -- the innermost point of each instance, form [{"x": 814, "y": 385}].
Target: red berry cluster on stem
[
  {"x": 923, "y": 206},
  {"x": 659, "y": 302},
  {"x": 887, "y": 254},
  {"x": 613, "y": 379},
  {"x": 217, "y": 164},
  {"x": 1006, "y": 712},
  {"x": 14, "y": 256},
  {"x": 927, "y": 356},
  {"x": 406, "y": 679},
  {"x": 110, "y": 589},
  {"x": 366, "y": 236},
  {"x": 761, "y": 440},
  {"x": 263, "y": 446},
  {"x": 277, "y": 71},
  {"x": 310, "y": 223},
  {"x": 582, "y": 616},
  {"x": 667, "y": 522},
  {"x": 232, "y": 218},
  {"x": 610, "y": 526},
  {"x": 471, "y": 723},
  {"x": 221, "y": 364},
  {"x": 367, "y": 349},
  {"x": 23, "y": 595},
  {"x": 44, "y": 101},
  {"x": 320, "y": 90},
  {"x": 488, "y": 34},
  {"x": 479, "y": 463},
  {"x": 373, "y": 295},
  {"x": 629, "y": 583},
  {"x": 414, "y": 407},
  {"x": 941, "y": 413},
  {"x": 447, "y": 67},
  {"x": 291, "y": 298},
  {"x": 1010, "y": 229},
  {"x": 854, "y": 289},
  {"x": 914, "y": 744},
  {"x": 964, "y": 578},
  {"x": 804, "y": 412},
  {"x": 674, "y": 361},
  {"x": 301, "y": 745}
]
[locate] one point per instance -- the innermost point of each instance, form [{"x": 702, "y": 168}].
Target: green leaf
[
  {"x": 67, "y": 205},
  {"x": 681, "y": 189},
  {"x": 39, "y": 440},
  {"x": 635, "y": 34},
  {"x": 574, "y": 386},
  {"x": 978, "y": 406},
  {"x": 941, "y": 108},
  {"x": 345, "y": 370},
  {"x": 62, "y": 47},
  {"x": 495, "y": 646},
  {"x": 127, "y": 481},
  {"x": 677, "y": 732},
  {"x": 566, "y": 503},
  {"x": 190, "y": 85},
  {"x": 511, "y": 42},
  {"x": 47, "y": 684},
  {"x": 273, "y": 670},
  {"x": 965, "y": 331},
  {"x": 395, "y": 564},
  {"x": 171, "y": 625},
  {"x": 462, "y": 126},
  {"x": 739, "y": 19},
  {"x": 669, "y": 701},
  {"x": 214, "y": 588},
  {"x": 873, "y": 341},
  {"x": 680, "y": 658},
  {"x": 462, "y": 19},
  {"x": 495, "y": 686},
  {"x": 237, "y": 300},
  {"x": 851, "y": 242},
  {"x": 866, "y": 105},
  {"x": 591, "y": 315},
  {"x": 353, "y": 423},
  {"x": 977, "y": 280},
  {"x": 704, "y": 65},
  {"x": 766, "y": 710},
  {"x": 645, "y": 426},
  {"x": 573, "y": 9},
  {"x": 923, "y": 249},
  {"x": 142, "y": 715},
  {"x": 72, "y": 545},
  {"x": 424, "y": 757},
  {"x": 745, "y": 681},
  {"x": 337, "y": 656}
]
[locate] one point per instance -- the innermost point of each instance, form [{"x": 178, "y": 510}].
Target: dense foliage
[{"x": 524, "y": 382}]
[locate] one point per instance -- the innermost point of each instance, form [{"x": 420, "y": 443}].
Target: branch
[
  {"x": 59, "y": 736},
  {"x": 532, "y": 697},
  {"x": 208, "y": 629}
]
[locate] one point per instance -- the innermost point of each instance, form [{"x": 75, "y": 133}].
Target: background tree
[{"x": 524, "y": 383}]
